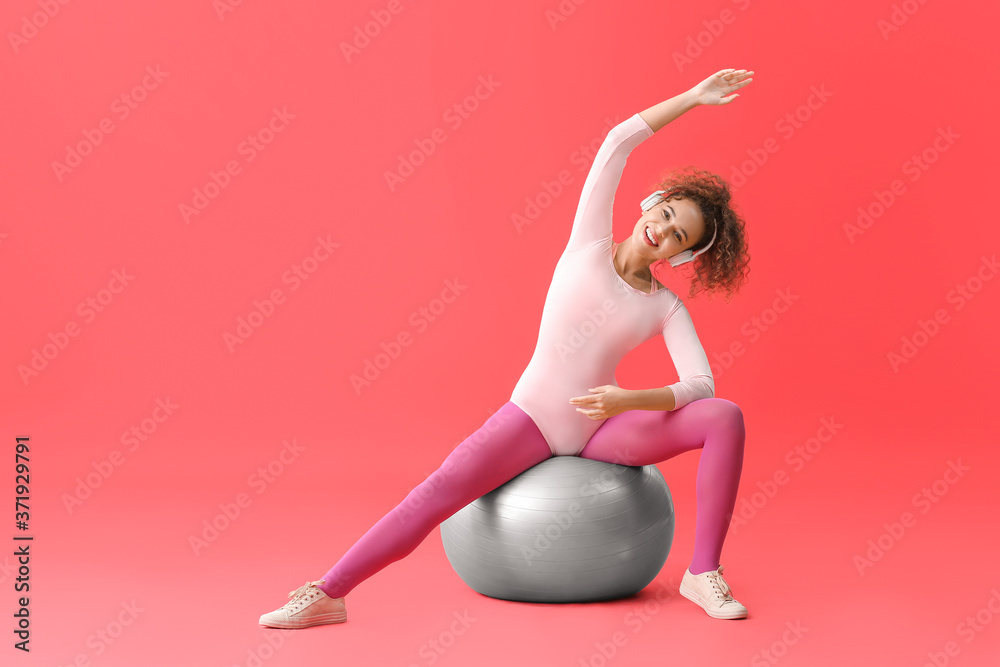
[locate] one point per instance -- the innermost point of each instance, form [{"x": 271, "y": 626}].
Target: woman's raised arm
[{"x": 718, "y": 89}]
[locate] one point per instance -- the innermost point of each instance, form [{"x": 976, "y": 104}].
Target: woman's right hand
[{"x": 719, "y": 88}]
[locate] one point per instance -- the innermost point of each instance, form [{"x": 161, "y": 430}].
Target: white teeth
[{"x": 649, "y": 235}]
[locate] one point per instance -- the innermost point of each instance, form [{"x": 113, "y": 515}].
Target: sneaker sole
[
  {"x": 691, "y": 595},
  {"x": 323, "y": 619}
]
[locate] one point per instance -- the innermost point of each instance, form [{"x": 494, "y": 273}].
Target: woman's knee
[{"x": 726, "y": 414}]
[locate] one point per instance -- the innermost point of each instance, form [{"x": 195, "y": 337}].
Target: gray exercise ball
[{"x": 569, "y": 529}]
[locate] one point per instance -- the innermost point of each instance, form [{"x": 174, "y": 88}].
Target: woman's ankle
[{"x": 330, "y": 590}]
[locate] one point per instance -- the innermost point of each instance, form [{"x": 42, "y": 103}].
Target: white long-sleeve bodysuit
[{"x": 592, "y": 318}]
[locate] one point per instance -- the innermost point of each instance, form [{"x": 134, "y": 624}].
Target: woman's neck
[{"x": 630, "y": 266}]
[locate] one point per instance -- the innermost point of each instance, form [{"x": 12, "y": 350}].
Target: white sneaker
[
  {"x": 309, "y": 606},
  {"x": 711, "y": 592}
]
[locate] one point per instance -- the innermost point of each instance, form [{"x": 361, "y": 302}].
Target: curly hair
[{"x": 724, "y": 266}]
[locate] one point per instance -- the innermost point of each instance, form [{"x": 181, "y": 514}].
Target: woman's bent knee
[{"x": 725, "y": 413}]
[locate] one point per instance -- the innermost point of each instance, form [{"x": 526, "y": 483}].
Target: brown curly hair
[{"x": 724, "y": 266}]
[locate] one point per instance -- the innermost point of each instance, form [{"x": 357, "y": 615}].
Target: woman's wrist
[
  {"x": 660, "y": 398},
  {"x": 694, "y": 99}
]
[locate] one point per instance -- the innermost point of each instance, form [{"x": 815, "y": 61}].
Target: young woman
[{"x": 567, "y": 402}]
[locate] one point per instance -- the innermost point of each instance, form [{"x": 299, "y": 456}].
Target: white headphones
[{"x": 683, "y": 256}]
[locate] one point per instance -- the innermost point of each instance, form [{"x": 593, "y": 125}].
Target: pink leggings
[{"x": 509, "y": 443}]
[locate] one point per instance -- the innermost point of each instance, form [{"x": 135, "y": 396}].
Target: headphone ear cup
[{"x": 652, "y": 200}]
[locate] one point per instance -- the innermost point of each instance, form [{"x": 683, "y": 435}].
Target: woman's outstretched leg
[
  {"x": 642, "y": 437},
  {"x": 505, "y": 446}
]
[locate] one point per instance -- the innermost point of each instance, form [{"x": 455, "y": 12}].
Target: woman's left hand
[{"x": 605, "y": 401}]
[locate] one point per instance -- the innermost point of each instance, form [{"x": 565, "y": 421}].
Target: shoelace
[
  {"x": 721, "y": 587},
  {"x": 301, "y": 595}
]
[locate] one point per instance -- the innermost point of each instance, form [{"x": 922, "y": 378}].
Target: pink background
[{"x": 792, "y": 553}]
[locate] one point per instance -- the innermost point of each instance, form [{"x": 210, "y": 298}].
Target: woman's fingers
[{"x": 736, "y": 85}]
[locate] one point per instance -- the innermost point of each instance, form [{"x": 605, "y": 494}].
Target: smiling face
[{"x": 668, "y": 228}]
